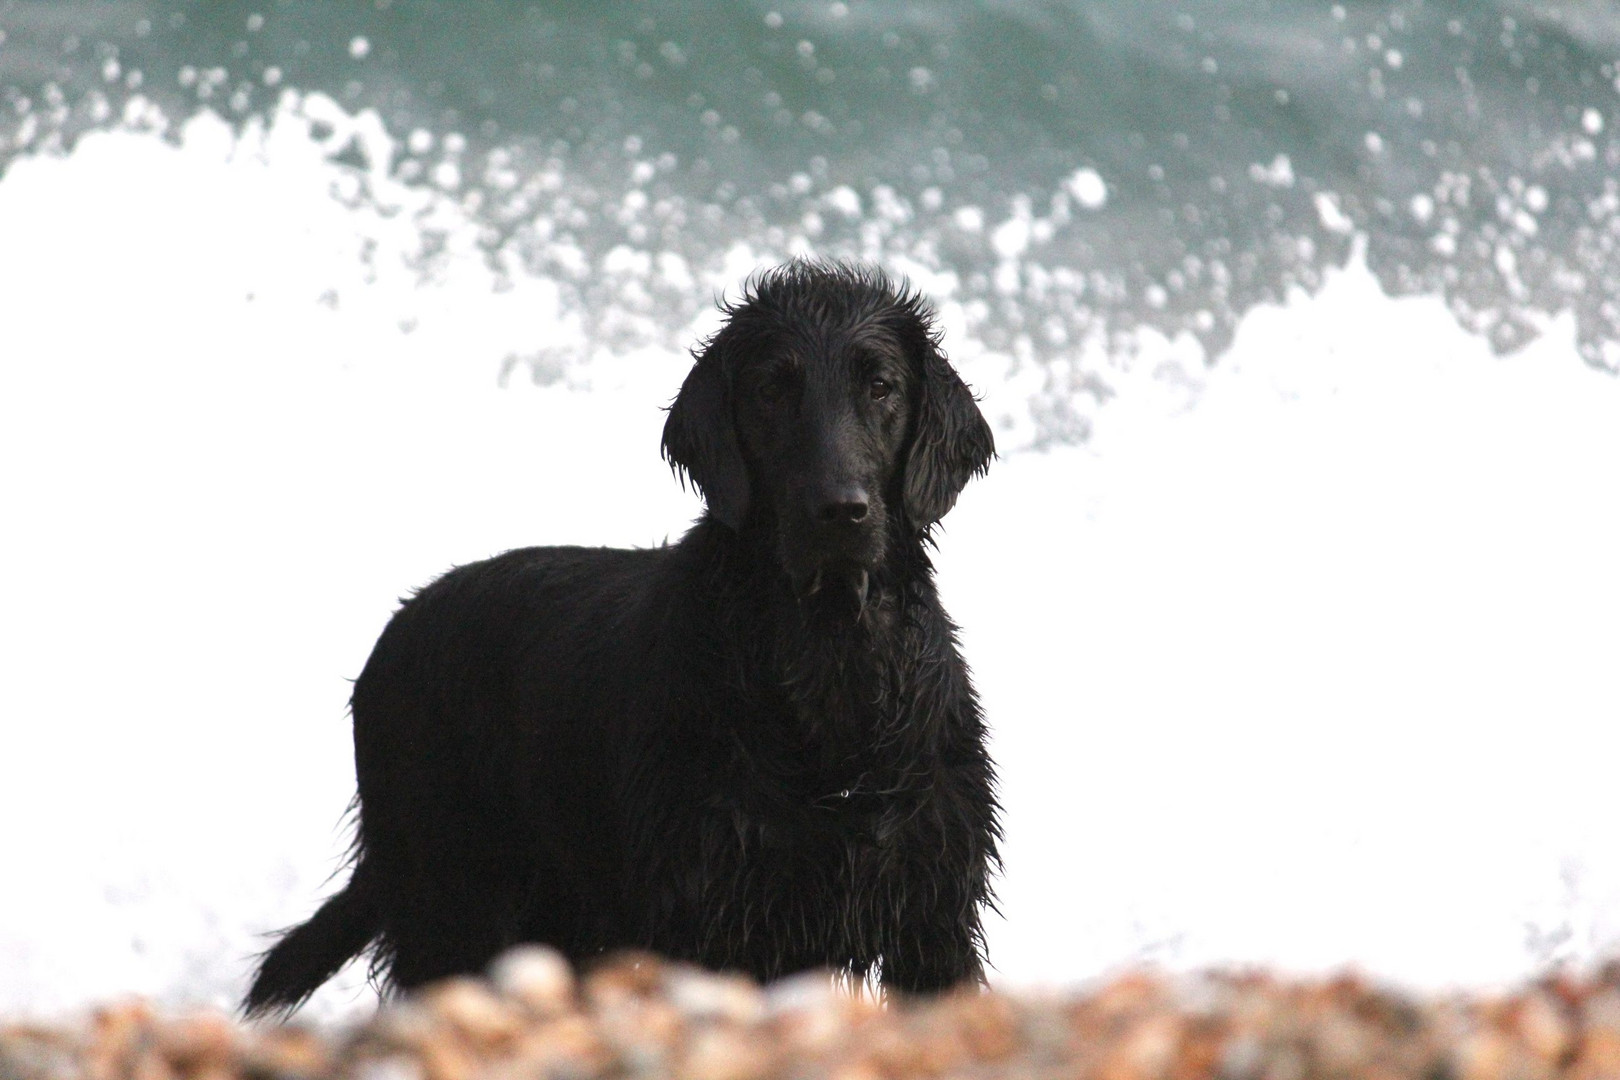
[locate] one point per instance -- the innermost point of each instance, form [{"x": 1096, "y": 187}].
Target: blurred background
[{"x": 1292, "y": 599}]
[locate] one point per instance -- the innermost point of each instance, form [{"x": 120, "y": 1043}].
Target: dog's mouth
[{"x": 839, "y": 581}]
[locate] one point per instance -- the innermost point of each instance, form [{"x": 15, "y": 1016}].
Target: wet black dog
[{"x": 757, "y": 749}]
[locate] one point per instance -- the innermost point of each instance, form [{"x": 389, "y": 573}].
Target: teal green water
[{"x": 1238, "y": 143}]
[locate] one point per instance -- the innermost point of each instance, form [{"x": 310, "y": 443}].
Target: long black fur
[{"x": 756, "y": 749}]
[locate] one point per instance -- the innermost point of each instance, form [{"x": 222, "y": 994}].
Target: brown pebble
[
  {"x": 475, "y": 1013},
  {"x": 1540, "y": 1025},
  {"x": 566, "y": 1046},
  {"x": 893, "y": 1052},
  {"x": 856, "y": 1070},
  {"x": 989, "y": 1024},
  {"x": 198, "y": 1044},
  {"x": 287, "y": 1054},
  {"x": 722, "y": 1053},
  {"x": 629, "y": 975},
  {"x": 443, "y": 1059},
  {"x": 1147, "y": 1049},
  {"x": 1483, "y": 1055},
  {"x": 825, "y": 1023},
  {"x": 148, "y": 1066},
  {"x": 118, "y": 1034},
  {"x": 1599, "y": 1056},
  {"x": 1130, "y": 993},
  {"x": 1342, "y": 1046}
]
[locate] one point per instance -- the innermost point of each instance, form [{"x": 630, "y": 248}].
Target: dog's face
[
  {"x": 824, "y": 409},
  {"x": 822, "y": 413}
]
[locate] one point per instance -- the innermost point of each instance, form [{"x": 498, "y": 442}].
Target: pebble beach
[{"x": 641, "y": 1017}]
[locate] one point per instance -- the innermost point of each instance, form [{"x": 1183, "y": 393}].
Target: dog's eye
[
  {"x": 880, "y": 389},
  {"x": 774, "y": 389}
]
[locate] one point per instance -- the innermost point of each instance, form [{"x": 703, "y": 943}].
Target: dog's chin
[{"x": 839, "y": 585}]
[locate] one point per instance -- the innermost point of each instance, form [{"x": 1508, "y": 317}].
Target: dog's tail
[{"x": 308, "y": 955}]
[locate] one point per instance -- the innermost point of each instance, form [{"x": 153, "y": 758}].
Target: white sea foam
[
  {"x": 1306, "y": 657},
  {"x": 1316, "y": 672}
]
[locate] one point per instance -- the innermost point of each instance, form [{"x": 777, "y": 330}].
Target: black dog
[{"x": 757, "y": 749}]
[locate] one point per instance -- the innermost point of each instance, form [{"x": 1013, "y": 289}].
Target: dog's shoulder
[{"x": 528, "y": 570}]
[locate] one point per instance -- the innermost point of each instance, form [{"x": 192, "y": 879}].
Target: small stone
[
  {"x": 893, "y": 1053},
  {"x": 148, "y": 1066},
  {"x": 826, "y": 1024},
  {"x": 393, "y": 1067},
  {"x": 443, "y": 1059},
  {"x": 1132, "y": 993},
  {"x": 1146, "y": 1050},
  {"x": 797, "y": 993},
  {"x": 1483, "y": 1055},
  {"x": 38, "y": 1053},
  {"x": 475, "y": 1013},
  {"x": 288, "y": 1054},
  {"x": 570, "y": 1046},
  {"x": 989, "y": 1024},
  {"x": 117, "y": 1034},
  {"x": 1603, "y": 1011},
  {"x": 718, "y": 1053},
  {"x": 197, "y": 1043},
  {"x": 1342, "y": 1045},
  {"x": 857, "y": 1070},
  {"x": 630, "y": 975},
  {"x": 1243, "y": 1059},
  {"x": 1598, "y": 1056},
  {"x": 811, "y": 1031},
  {"x": 704, "y": 996},
  {"x": 1540, "y": 1025},
  {"x": 537, "y": 978}
]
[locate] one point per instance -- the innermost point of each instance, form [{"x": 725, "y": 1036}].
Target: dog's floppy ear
[
  {"x": 950, "y": 443},
  {"x": 700, "y": 439}
]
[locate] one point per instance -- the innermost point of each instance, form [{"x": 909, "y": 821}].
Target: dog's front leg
[
  {"x": 934, "y": 951},
  {"x": 933, "y": 937}
]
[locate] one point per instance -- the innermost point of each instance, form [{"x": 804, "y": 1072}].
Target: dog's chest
[
  {"x": 837, "y": 820},
  {"x": 818, "y": 760}
]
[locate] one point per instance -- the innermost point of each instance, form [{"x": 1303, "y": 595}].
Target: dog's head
[{"x": 824, "y": 407}]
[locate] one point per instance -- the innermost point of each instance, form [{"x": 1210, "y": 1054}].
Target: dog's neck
[
  {"x": 836, "y": 711},
  {"x": 840, "y": 667}
]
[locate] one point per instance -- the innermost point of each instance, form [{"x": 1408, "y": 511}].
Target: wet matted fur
[{"x": 756, "y": 749}]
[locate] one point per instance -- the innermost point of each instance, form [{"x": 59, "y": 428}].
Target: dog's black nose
[{"x": 842, "y": 505}]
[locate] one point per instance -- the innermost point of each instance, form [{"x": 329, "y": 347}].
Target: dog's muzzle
[{"x": 838, "y": 583}]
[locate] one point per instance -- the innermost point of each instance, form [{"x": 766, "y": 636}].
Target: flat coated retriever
[{"x": 756, "y": 749}]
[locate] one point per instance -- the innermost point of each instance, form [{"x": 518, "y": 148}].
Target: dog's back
[
  {"x": 486, "y": 729},
  {"x": 455, "y": 806}
]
